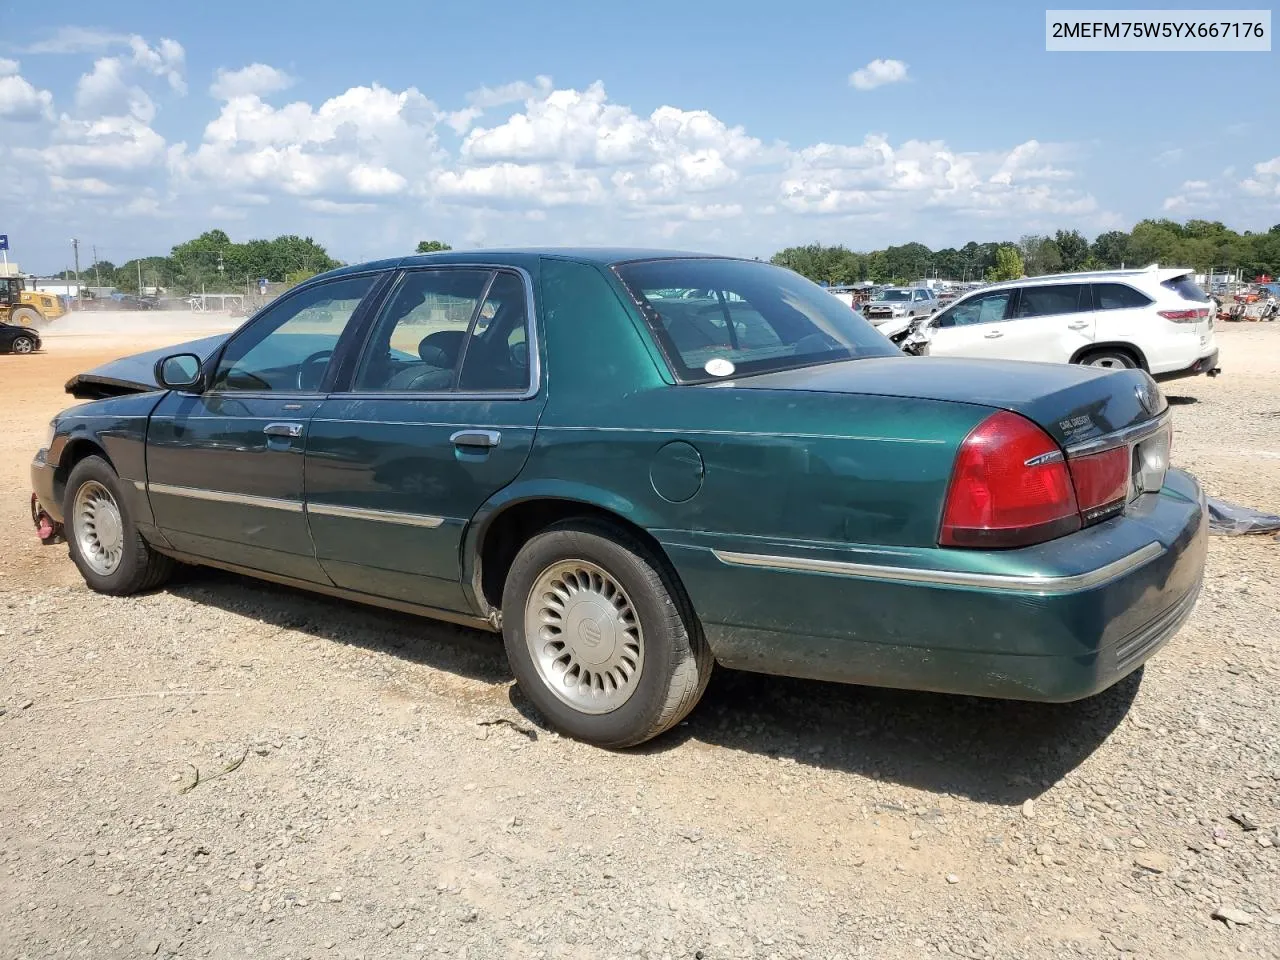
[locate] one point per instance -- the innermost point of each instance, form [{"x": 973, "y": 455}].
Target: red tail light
[
  {"x": 1009, "y": 487},
  {"x": 1185, "y": 316},
  {"x": 1102, "y": 483}
]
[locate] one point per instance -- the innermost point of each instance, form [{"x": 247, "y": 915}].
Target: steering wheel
[{"x": 307, "y": 379}]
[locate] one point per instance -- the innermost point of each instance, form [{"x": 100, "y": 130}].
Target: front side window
[
  {"x": 289, "y": 347},
  {"x": 1117, "y": 296},
  {"x": 456, "y": 328},
  {"x": 1049, "y": 301},
  {"x": 981, "y": 308},
  {"x": 748, "y": 318}
]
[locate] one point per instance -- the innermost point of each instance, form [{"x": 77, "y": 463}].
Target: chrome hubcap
[
  {"x": 99, "y": 529},
  {"x": 584, "y": 636},
  {"x": 22, "y": 345}
]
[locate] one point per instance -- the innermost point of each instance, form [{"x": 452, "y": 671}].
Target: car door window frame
[
  {"x": 1082, "y": 294},
  {"x": 373, "y": 296},
  {"x": 346, "y": 388},
  {"x": 1009, "y": 307}
]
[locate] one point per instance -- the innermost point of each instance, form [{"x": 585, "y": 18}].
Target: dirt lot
[{"x": 370, "y": 787}]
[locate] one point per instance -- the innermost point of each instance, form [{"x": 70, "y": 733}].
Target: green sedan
[{"x": 636, "y": 465}]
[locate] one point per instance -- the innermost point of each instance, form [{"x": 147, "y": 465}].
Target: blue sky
[{"x": 728, "y": 127}]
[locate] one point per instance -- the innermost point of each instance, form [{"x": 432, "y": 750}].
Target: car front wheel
[
  {"x": 23, "y": 344},
  {"x": 600, "y": 636},
  {"x": 105, "y": 544}
]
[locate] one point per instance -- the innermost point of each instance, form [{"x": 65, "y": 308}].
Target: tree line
[
  {"x": 1204, "y": 245},
  {"x": 213, "y": 262}
]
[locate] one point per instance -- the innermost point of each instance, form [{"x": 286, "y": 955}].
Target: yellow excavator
[{"x": 27, "y": 308}]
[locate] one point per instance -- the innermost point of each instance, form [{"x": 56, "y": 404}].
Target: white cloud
[
  {"x": 257, "y": 79},
  {"x": 166, "y": 59},
  {"x": 78, "y": 40},
  {"x": 19, "y": 98},
  {"x": 486, "y": 97},
  {"x": 365, "y": 142},
  {"x": 1265, "y": 182},
  {"x": 1167, "y": 158},
  {"x": 877, "y": 73},
  {"x": 105, "y": 90}
]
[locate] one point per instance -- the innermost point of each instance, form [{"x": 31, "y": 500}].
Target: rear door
[
  {"x": 1121, "y": 312},
  {"x": 439, "y": 415},
  {"x": 224, "y": 468},
  {"x": 972, "y": 327},
  {"x": 1047, "y": 323}
]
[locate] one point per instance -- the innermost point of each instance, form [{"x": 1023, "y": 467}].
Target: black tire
[
  {"x": 22, "y": 344},
  {"x": 140, "y": 568},
  {"x": 1113, "y": 359},
  {"x": 677, "y": 661},
  {"x": 25, "y": 317}
]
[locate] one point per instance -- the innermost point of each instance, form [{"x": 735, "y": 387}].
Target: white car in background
[{"x": 1156, "y": 319}]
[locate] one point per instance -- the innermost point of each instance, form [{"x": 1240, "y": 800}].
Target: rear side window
[
  {"x": 1117, "y": 296},
  {"x": 713, "y": 318},
  {"x": 1186, "y": 288},
  {"x": 1052, "y": 300}
]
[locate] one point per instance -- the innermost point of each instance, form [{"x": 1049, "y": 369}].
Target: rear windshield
[
  {"x": 718, "y": 318},
  {"x": 1187, "y": 288}
]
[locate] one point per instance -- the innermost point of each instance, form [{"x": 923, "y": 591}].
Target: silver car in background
[{"x": 895, "y": 310}]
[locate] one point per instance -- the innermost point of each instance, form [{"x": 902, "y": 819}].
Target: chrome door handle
[
  {"x": 283, "y": 429},
  {"x": 1077, "y": 326},
  {"x": 476, "y": 438},
  {"x": 993, "y": 334}
]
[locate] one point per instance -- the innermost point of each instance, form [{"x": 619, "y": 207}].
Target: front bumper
[
  {"x": 1112, "y": 595},
  {"x": 1207, "y": 365},
  {"x": 46, "y": 511}
]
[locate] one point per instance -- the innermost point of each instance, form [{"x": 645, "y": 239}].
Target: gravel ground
[{"x": 226, "y": 768}]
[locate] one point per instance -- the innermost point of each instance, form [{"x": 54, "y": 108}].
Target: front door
[
  {"x": 224, "y": 467},
  {"x": 440, "y": 416},
  {"x": 973, "y": 327}
]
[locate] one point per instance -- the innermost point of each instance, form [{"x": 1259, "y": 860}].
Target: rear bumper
[
  {"x": 1207, "y": 364},
  {"x": 1069, "y": 618}
]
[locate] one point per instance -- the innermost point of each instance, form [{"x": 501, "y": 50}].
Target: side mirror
[{"x": 179, "y": 372}]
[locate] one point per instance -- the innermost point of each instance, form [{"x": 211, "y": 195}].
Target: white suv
[{"x": 1156, "y": 319}]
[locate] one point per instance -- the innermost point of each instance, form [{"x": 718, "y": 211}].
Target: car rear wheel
[
  {"x": 1109, "y": 359},
  {"x": 103, "y": 540},
  {"x": 25, "y": 317},
  {"x": 23, "y": 344},
  {"x": 600, "y": 636}
]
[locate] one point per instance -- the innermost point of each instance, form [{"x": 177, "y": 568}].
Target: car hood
[
  {"x": 1070, "y": 402},
  {"x": 135, "y": 373}
]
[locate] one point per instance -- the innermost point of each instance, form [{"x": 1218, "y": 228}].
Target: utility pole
[
  {"x": 139, "y": 276},
  {"x": 97, "y": 280},
  {"x": 75, "y": 249}
]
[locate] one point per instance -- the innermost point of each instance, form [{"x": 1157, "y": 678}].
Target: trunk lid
[{"x": 1072, "y": 403}]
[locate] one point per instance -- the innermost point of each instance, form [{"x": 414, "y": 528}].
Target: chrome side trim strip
[
  {"x": 223, "y": 496},
  {"x": 378, "y": 516},
  {"x": 1119, "y": 438},
  {"x": 949, "y": 578}
]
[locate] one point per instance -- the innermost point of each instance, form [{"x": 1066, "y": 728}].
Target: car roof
[
  {"x": 1151, "y": 272},
  {"x": 518, "y": 256}
]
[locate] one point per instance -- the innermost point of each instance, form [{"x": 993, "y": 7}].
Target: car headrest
[{"x": 440, "y": 349}]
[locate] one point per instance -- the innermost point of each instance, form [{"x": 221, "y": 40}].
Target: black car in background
[{"x": 15, "y": 339}]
